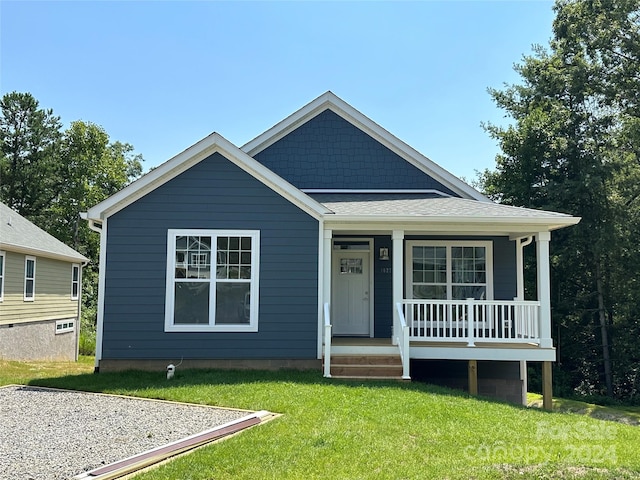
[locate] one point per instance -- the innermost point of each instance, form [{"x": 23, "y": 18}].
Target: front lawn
[{"x": 378, "y": 430}]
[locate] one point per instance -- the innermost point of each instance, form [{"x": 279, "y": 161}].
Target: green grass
[
  {"x": 628, "y": 415},
  {"x": 378, "y": 430},
  {"x": 25, "y": 372}
]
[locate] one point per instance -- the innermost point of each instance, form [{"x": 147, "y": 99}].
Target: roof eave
[
  {"x": 193, "y": 155},
  {"x": 541, "y": 223},
  {"x": 10, "y": 247}
]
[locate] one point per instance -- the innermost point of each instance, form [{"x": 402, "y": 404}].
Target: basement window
[{"x": 64, "y": 326}]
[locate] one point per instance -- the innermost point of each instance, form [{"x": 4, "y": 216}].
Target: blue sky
[{"x": 162, "y": 75}]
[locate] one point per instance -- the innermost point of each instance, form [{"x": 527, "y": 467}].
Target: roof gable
[
  {"x": 193, "y": 155},
  {"x": 328, "y": 152},
  {"x": 329, "y": 101},
  {"x": 20, "y": 235}
]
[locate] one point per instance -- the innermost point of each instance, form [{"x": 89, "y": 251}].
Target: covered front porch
[{"x": 486, "y": 326}]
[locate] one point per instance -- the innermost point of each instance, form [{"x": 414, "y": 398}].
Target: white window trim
[
  {"x": 252, "y": 326},
  {"x": 64, "y": 326},
  {"x": 27, "y": 258},
  {"x": 487, "y": 244},
  {"x": 74, "y": 266},
  {"x": 2, "y": 270}
]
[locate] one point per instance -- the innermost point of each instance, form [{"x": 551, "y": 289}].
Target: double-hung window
[
  {"x": 450, "y": 270},
  {"x": 75, "y": 281},
  {"x": 212, "y": 280},
  {"x": 2, "y": 262},
  {"x": 29, "y": 278}
]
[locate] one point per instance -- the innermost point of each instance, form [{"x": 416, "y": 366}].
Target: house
[
  {"x": 40, "y": 292},
  {"x": 336, "y": 243}
]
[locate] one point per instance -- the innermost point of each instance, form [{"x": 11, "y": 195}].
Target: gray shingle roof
[
  {"x": 18, "y": 233},
  {"x": 420, "y": 205}
]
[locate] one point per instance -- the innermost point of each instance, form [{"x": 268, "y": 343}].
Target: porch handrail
[
  {"x": 401, "y": 332},
  {"x": 471, "y": 320},
  {"x": 327, "y": 341}
]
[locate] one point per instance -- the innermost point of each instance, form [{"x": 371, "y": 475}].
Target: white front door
[{"x": 351, "y": 284}]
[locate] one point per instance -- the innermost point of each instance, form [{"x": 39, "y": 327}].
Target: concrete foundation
[
  {"x": 37, "y": 341},
  {"x": 109, "y": 365}
]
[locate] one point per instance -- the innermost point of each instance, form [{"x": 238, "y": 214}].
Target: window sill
[{"x": 210, "y": 328}]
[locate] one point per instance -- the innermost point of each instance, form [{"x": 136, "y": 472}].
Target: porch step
[{"x": 372, "y": 367}]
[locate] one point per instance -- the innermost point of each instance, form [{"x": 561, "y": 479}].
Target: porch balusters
[{"x": 473, "y": 321}]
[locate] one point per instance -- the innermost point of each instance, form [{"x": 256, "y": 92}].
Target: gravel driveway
[{"x": 50, "y": 434}]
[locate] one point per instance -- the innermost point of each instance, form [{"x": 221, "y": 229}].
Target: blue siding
[
  {"x": 504, "y": 275},
  {"x": 329, "y": 152},
  {"x": 214, "y": 194},
  {"x": 504, "y": 263},
  {"x": 383, "y": 289}
]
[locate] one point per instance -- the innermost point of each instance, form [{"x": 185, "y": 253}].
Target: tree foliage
[
  {"x": 29, "y": 149},
  {"x": 50, "y": 175},
  {"x": 572, "y": 146}
]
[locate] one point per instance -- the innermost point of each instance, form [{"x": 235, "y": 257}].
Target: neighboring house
[
  {"x": 40, "y": 292},
  {"x": 334, "y": 240}
]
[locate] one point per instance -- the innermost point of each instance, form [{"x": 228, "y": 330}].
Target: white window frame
[
  {"x": 65, "y": 326},
  {"x": 2, "y": 269},
  {"x": 252, "y": 326},
  {"x": 27, "y": 259},
  {"x": 487, "y": 244},
  {"x": 75, "y": 266}
]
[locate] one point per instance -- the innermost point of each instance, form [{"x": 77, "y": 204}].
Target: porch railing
[
  {"x": 327, "y": 341},
  {"x": 401, "y": 339},
  {"x": 471, "y": 321}
]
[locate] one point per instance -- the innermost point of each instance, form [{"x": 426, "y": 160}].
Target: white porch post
[
  {"x": 397, "y": 261},
  {"x": 326, "y": 298},
  {"x": 544, "y": 287},
  {"x": 326, "y": 274}
]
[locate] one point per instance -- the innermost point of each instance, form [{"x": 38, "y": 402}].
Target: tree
[
  {"x": 29, "y": 141},
  {"x": 93, "y": 169},
  {"x": 573, "y": 147},
  {"x": 50, "y": 176}
]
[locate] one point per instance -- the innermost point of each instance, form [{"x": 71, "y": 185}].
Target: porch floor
[
  {"x": 443, "y": 350},
  {"x": 360, "y": 341}
]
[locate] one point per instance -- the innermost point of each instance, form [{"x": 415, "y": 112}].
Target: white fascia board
[
  {"x": 42, "y": 253},
  {"x": 330, "y": 101},
  {"x": 473, "y": 225},
  {"x": 282, "y": 128},
  {"x": 193, "y": 155},
  {"x": 480, "y": 352},
  {"x": 377, "y": 191}
]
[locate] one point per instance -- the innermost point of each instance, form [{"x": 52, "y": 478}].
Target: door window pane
[{"x": 351, "y": 265}]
